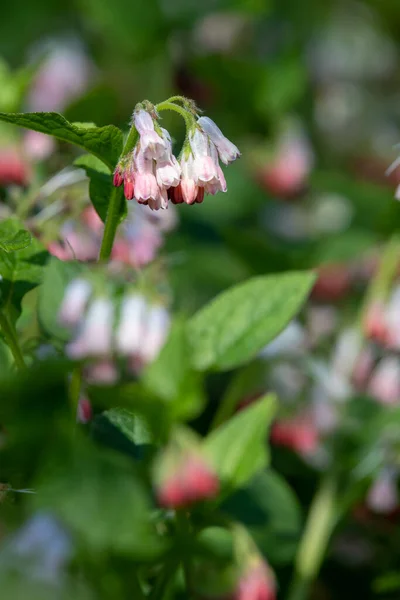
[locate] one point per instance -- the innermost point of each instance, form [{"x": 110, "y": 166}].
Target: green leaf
[
  {"x": 238, "y": 449},
  {"x": 18, "y": 241},
  {"x": 98, "y": 495},
  {"x": 103, "y": 142},
  {"x": 271, "y": 512},
  {"x": 57, "y": 275},
  {"x": 133, "y": 426},
  {"x": 171, "y": 377},
  {"x": 21, "y": 270},
  {"x": 125, "y": 431},
  {"x": 232, "y": 328},
  {"x": 100, "y": 185}
]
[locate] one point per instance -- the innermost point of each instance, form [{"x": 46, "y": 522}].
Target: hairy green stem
[
  {"x": 314, "y": 542},
  {"x": 116, "y": 198},
  {"x": 10, "y": 336},
  {"x": 112, "y": 222},
  {"x": 189, "y": 119}
]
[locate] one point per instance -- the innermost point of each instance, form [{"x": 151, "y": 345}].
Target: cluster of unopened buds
[
  {"x": 151, "y": 174},
  {"x": 138, "y": 334}
]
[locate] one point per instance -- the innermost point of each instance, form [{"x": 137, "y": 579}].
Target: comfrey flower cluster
[
  {"x": 137, "y": 334},
  {"x": 151, "y": 173}
]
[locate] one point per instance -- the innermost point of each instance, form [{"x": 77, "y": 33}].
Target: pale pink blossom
[
  {"x": 152, "y": 145},
  {"x": 168, "y": 170},
  {"x": 74, "y": 302},
  {"x": 130, "y": 332},
  {"x": 38, "y": 146},
  {"x": 385, "y": 381},
  {"x": 227, "y": 151},
  {"x": 383, "y": 495},
  {"x": 146, "y": 187},
  {"x": 103, "y": 372},
  {"x": 95, "y": 335},
  {"x": 156, "y": 330},
  {"x": 204, "y": 167}
]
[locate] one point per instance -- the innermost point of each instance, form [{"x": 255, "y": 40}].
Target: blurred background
[{"x": 310, "y": 92}]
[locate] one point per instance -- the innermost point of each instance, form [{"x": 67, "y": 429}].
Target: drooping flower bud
[
  {"x": 227, "y": 151},
  {"x": 118, "y": 177},
  {"x": 74, "y": 302}
]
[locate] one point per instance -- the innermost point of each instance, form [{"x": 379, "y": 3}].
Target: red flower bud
[
  {"x": 200, "y": 195},
  {"x": 13, "y": 169},
  {"x": 256, "y": 584},
  {"x": 118, "y": 178},
  {"x": 129, "y": 189},
  {"x": 175, "y": 194},
  {"x": 296, "y": 434},
  {"x": 375, "y": 323},
  {"x": 332, "y": 284},
  {"x": 191, "y": 481}
]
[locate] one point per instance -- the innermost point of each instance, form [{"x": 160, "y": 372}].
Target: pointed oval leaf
[
  {"x": 103, "y": 142},
  {"x": 233, "y": 327},
  {"x": 238, "y": 449},
  {"x": 18, "y": 241},
  {"x": 20, "y": 271}
]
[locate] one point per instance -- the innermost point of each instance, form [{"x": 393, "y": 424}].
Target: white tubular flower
[
  {"x": 130, "y": 332},
  {"x": 153, "y": 146},
  {"x": 204, "y": 167},
  {"x": 227, "y": 151},
  {"x": 95, "y": 337},
  {"x": 156, "y": 330},
  {"x": 74, "y": 303}
]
